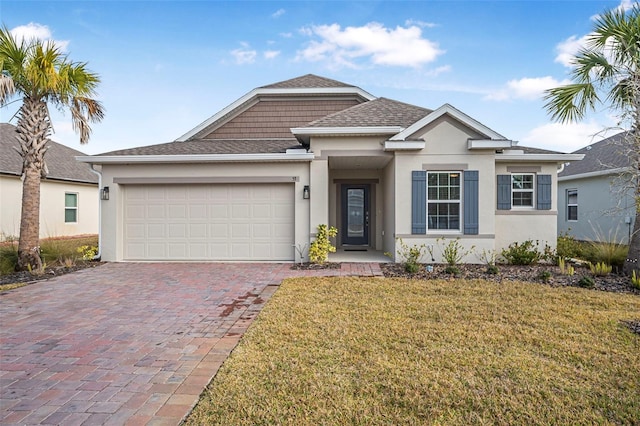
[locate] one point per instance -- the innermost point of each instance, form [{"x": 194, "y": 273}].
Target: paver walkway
[{"x": 128, "y": 343}]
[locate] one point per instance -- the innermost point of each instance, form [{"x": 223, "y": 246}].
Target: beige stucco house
[
  {"x": 253, "y": 181},
  {"x": 68, "y": 194}
]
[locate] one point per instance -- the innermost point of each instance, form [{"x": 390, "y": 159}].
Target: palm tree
[
  {"x": 607, "y": 72},
  {"x": 41, "y": 75}
]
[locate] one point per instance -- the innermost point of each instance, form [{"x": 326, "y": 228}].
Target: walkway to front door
[{"x": 129, "y": 343}]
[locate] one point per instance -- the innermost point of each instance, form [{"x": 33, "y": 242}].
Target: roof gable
[
  {"x": 60, "y": 159},
  {"x": 307, "y": 82}
]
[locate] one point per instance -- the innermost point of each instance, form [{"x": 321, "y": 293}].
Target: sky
[{"x": 166, "y": 66}]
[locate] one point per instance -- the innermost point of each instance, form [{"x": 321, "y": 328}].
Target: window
[
  {"x": 572, "y": 204},
  {"x": 443, "y": 200},
  {"x": 70, "y": 207},
  {"x": 522, "y": 190}
]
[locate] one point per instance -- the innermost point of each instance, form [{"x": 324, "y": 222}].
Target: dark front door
[{"x": 355, "y": 215}]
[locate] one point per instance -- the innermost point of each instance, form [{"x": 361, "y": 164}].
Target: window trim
[
  {"x": 459, "y": 202},
  {"x": 71, "y": 208},
  {"x": 568, "y": 205},
  {"x": 532, "y": 191}
]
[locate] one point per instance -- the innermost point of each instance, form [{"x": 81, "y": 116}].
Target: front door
[{"x": 355, "y": 215}]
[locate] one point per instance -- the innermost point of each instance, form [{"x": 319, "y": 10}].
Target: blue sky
[{"x": 168, "y": 65}]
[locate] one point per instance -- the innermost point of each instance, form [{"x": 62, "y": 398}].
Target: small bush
[
  {"x": 567, "y": 247},
  {"x": 87, "y": 252},
  {"x": 411, "y": 255},
  {"x": 452, "y": 270},
  {"x": 607, "y": 249},
  {"x": 8, "y": 258},
  {"x": 564, "y": 268},
  {"x": 586, "y": 282},
  {"x": 525, "y": 253},
  {"x": 635, "y": 280},
  {"x": 321, "y": 246},
  {"x": 544, "y": 276},
  {"x": 492, "y": 270},
  {"x": 453, "y": 252},
  {"x": 600, "y": 269}
]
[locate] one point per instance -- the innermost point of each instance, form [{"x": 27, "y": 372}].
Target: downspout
[{"x": 99, "y": 174}]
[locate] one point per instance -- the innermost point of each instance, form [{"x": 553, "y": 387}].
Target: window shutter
[
  {"x": 471, "y": 202},
  {"x": 419, "y": 202},
  {"x": 543, "y": 189},
  {"x": 504, "y": 192}
]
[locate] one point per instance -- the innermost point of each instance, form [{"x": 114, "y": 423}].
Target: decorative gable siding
[{"x": 274, "y": 119}]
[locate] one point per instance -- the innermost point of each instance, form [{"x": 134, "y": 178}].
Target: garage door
[{"x": 209, "y": 222}]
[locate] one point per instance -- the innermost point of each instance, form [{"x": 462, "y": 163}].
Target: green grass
[{"x": 382, "y": 351}]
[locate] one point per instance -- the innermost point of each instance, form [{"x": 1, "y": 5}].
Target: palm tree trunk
[
  {"x": 29, "y": 244},
  {"x": 33, "y": 128}
]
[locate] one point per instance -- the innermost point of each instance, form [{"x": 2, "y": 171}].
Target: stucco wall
[
  {"x": 52, "y": 196},
  {"x": 113, "y": 210},
  {"x": 604, "y": 214}
]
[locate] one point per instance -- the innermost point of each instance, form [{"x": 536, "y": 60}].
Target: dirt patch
[{"x": 315, "y": 266}]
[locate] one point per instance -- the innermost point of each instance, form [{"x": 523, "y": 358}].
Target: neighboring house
[
  {"x": 256, "y": 179},
  {"x": 68, "y": 195},
  {"x": 593, "y": 203}
]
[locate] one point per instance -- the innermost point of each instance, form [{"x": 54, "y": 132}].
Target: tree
[
  {"x": 41, "y": 75},
  {"x": 607, "y": 72}
]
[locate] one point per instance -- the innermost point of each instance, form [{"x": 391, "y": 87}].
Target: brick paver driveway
[{"x": 128, "y": 343}]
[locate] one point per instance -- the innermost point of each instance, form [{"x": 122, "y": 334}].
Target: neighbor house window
[
  {"x": 522, "y": 190},
  {"x": 443, "y": 200},
  {"x": 70, "y": 207},
  {"x": 572, "y": 204}
]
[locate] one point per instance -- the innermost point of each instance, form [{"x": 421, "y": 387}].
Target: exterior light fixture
[
  {"x": 104, "y": 193},
  {"x": 306, "y": 192}
]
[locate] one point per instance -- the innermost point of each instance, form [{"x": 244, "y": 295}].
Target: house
[
  {"x": 68, "y": 194},
  {"x": 253, "y": 182},
  {"x": 595, "y": 203}
]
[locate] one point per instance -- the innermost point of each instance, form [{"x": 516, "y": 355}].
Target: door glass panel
[{"x": 355, "y": 213}]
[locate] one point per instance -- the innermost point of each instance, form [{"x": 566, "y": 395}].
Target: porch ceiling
[{"x": 359, "y": 162}]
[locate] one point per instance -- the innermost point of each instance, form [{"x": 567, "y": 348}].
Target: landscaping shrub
[
  {"x": 567, "y": 247},
  {"x": 321, "y": 246},
  {"x": 607, "y": 249},
  {"x": 453, "y": 252},
  {"x": 600, "y": 269},
  {"x": 545, "y": 276},
  {"x": 525, "y": 253},
  {"x": 586, "y": 282},
  {"x": 411, "y": 256},
  {"x": 8, "y": 258}
]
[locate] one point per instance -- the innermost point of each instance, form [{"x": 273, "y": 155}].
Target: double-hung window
[
  {"x": 522, "y": 190},
  {"x": 70, "y": 207},
  {"x": 572, "y": 204},
  {"x": 443, "y": 200}
]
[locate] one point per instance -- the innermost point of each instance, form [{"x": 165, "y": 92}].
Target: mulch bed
[{"x": 49, "y": 272}]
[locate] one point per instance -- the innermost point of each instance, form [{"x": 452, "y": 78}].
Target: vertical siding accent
[
  {"x": 504, "y": 192},
  {"x": 419, "y": 202},
  {"x": 470, "y": 206},
  {"x": 543, "y": 187}
]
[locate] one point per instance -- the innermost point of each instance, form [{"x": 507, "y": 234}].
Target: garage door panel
[{"x": 209, "y": 222}]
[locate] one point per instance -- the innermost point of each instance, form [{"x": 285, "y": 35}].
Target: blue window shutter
[
  {"x": 543, "y": 188},
  {"x": 471, "y": 202},
  {"x": 504, "y": 192},
  {"x": 419, "y": 202}
]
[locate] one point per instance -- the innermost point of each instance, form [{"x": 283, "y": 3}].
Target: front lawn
[{"x": 393, "y": 351}]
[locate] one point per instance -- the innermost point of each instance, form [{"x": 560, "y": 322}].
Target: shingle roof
[
  {"x": 212, "y": 146},
  {"x": 60, "y": 159},
  {"x": 603, "y": 155},
  {"x": 378, "y": 112},
  {"x": 308, "y": 81}
]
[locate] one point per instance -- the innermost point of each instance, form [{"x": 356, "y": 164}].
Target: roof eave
[
  {"x": 544, "y": 158},
  {"x": 597, "y": 173},
  {"x": 201, "y": 158}
]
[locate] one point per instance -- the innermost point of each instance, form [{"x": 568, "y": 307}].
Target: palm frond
[{"x": 571, "y": 102}]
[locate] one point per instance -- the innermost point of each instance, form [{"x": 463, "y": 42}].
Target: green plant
[
  {"x": 411, "y": 255},
  {"x": 8, "y": 258},
  {"x": 453, "y": 252},
  {"x": 607, "y": 248},
  {"x": 567, "y": 247},
  {"x": 564, "y": 268},
  {"x": 544, "y": 276},
  {"x": 321, "y": 246},
  {"x": 87, "y": 252},
  {"x": 635, "y": 281},
  {"x": 586, "y": 282},
  {"x": 600, "y": 269},
  {"x": 492, "y": 270},
  {"x": 453, "y": 270},
  {"x": 525, "y": 253}
]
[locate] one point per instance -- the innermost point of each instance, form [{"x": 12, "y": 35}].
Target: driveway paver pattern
[{"x": 129, "y": 343}]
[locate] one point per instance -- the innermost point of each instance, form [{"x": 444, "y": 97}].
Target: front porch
[{"x": 347, "y": 255}]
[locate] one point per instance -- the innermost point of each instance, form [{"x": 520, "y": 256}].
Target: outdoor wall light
[
  {"x": 306, "y": 192},
  {"x": 104, "y": 193}
]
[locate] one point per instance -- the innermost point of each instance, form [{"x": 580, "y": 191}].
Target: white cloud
[
  {"x": 271, "y": 54},
  {"x": 437, "y": 71},
  {"x": 403, "y": 47},
  {"x": 568, "y": 48},
  {"x": 37, "y": 31},
  {"x": 278, "y": 13},
  {"x": 244, "y": 54},
  {"x": 525, "y": 88},
  {"x": 422, "y": 24},
  {"x": 564, "y": 137}
]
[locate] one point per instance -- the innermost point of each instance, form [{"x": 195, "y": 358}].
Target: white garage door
[{"x": 209, "y": 222}]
